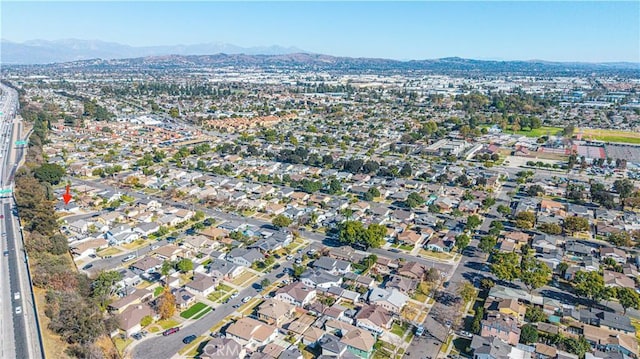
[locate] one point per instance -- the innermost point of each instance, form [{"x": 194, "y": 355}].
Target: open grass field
[
  {"x": 615, "y": 136},
  {"x": 193, "y": 310},
  {"x": 538, "y": 132}
]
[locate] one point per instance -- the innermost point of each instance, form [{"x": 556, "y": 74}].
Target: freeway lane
[
  {"x": 15, "y": 256},
  {"x": 25, "y": 340}
]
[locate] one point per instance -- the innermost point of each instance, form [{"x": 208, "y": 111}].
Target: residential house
[
  {"x": 275, "y": 312},
  {"x": 184, "y": 298},
  {"x": 129, "y": 319},
  {"x": 244, "y": 256},
  {"x": 615, "y": 279},
  {"x": 84, "y": 249},
  {"x": 392, "y": 300},
  {"x": 411, "y": 238},
  {"x": 501, "y": 326},
  {"x": 405, "y": 285},
  {"x": 169, "y": 252},
  {"x": 320, "y": 278},
  {"x": 440, "y": 244},
  {"x": 223, "y": 270},
  {"x": 223, "y": 348},
  {"x": 616, "y": 254},
  {"x": 374, "y": 318},
  {"x": 358, "y": 341},
  {"x": 296, "y": 293},
  {"x": 139, "y": 296},
  {"x": 412, "y": 270},
  {"x": 202, "y": 284},
  {"x": 332, "y": 265},
  {"x": 146, "y": 229},
  {"x": 251, "y": 333},
  {"x": 146, "y": 264}
]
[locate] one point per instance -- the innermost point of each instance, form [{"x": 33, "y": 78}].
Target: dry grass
[
  {"x": 609, "y": 135},
  {"x": 54, "y": 347}
]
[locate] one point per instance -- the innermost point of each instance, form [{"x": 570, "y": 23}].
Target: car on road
[
  {"x": 18, "y": 310},
  {"x": 189, "y": 338},
  {"x": 234, "y": 295},
  {"x": 128, "y": 258},
  {"x": 246, "y": 299},
  {"x": 16, "y": 295},
  {"x": 289, "y": 257},
  {"x": 155, "y": 246},
  {"x": 298, "y": 261},
  {"x": 137, "y": 336},
  {"x": 171, "y": 331},
  {"x": 88, "y": 266},
  {"x": 6, "y": 253},
  {"x": 466, "y": 334}
]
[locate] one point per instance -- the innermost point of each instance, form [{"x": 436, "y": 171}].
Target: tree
[
  {"x": 281, "y": 221},
  {"x": 104, "y": 286},
  {"x": 628, "y": 298},
  {"x": 562, "y": 268},
  {"x": 534, "y": 273},
  {"x": 576, "y": 224},
  {"x": 406, "y": 170},
  {"x": 576, "y": 346},
  {"x": 49, "y": 172},
  {"x": 506, "y": 266},
  {"x": 525, "y": 219},
  {"x": 488, "y": 202},
  {"x": 374, "y": 235},
  {"x": 265, "y": 283},
  {"x": 166, "y": 268},
  {"x": 467, "y": 292},
  {"x": 503, "y": 209},
  {"x": 528, "y": 334},
  {"x": 487, "y": 244},
  {"x": 335, "y": 186},
  {"x": 184, "y": 265},
  {"x": 624, "y": 187},
  {"x": 166, "y": 304},
  {"x": 198, "y": 216},
  {"x": 550, "y": 228},
  {"x": 462, "y": 241},
  {"x": 414, "y": 200},
  {"x": 473, "y": 222},
  {"x": 298, "y": 270},
  {"x": 534, "y": 314},
  {"x": 487, "y": 283},
  {"x": 146, "y": 320},
  {"x": 589, "y": 285},
  {"x": 620, "y": 239},
  {"x": 477, "y": 319}
]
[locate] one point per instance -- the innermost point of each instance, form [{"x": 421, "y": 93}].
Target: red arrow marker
[{"x": 66, "y": 197}]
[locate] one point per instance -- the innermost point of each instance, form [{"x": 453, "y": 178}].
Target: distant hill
[
  {"x": 46, "y": 52},
  {"x": 81, "y": 53}
]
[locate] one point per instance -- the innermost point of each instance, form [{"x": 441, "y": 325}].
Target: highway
[{"x": 20, "y": 333}]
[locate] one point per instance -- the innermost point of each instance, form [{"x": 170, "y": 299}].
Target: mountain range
[
  {"x": 85, "y": 54},
  {"x": 46, "y": 52}
]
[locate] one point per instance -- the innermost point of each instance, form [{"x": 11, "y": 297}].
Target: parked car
[
  {"x": 128, "y": 258},
  {"x": 171, "y": 331},
  {"x": 88, "y": 266},
  {"x": 189, "y": 338},
  {"x": 16, "y": 295},
  {"x": 246, "y": 299},
  {"x": 235, "y": 294},
  {"x": 18, "y": 310},
  {"x": 289, "y": 257}
]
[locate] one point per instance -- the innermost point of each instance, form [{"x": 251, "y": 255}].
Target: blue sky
[{"x": 555, "y": 31}]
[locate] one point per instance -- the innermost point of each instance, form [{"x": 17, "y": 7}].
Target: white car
[
  {"x": 128, "y": 258},
  {"x": 16, "y": 295},
  {"x": 234, "y": 295},
  {"x": 246, "y": 299},
  {"x": 18, "y": 310}
]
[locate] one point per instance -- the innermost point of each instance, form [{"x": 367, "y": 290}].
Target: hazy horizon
[{"x": 592, "y": 32}]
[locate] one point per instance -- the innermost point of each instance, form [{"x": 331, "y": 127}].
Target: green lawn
[
  {"x": 224, "y": 287},
  {"x": 158, "y": 291},
  {"x": 398, "y": 329},
  {"x": 193, "y": 310},
  {"x": 202, "y": 313}
]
